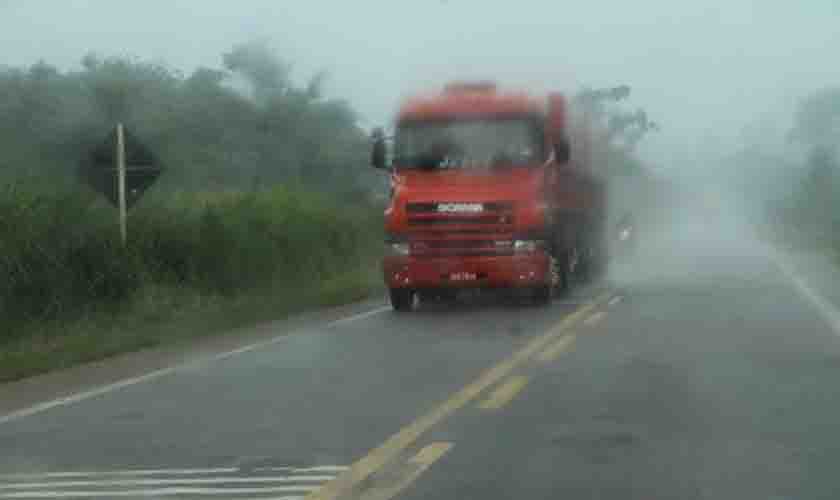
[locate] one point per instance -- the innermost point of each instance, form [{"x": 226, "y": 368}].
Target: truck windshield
[{"x": 478, "y": 143}]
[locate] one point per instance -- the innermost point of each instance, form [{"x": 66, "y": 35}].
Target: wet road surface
[{"x": 701, "y": 369}]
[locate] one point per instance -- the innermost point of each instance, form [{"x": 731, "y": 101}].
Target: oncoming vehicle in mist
[{"x": 490, "y": 189}]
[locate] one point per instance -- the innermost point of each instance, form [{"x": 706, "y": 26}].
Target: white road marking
[
  {"x": 159, "y": 492},
  {"x": 594, "y": 318},
  {"x": 166, "y": 482},
  {"x": 172, "y": 472},
  {"x": 292, "y": 483},
  {"x": 81, "y": 396},
  {"x": 117, "y": 473},
  {"x": 320, "y": 468},
  {"x": 92, "y": 393},
  {"x": 359, "y": 316},
  {"x": 828, "y": 312},
  {"x": 615, "y": 300}
]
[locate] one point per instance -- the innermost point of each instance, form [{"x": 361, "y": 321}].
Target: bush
[{"x": 61, "y": 257}]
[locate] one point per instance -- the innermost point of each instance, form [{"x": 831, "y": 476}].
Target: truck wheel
[
  {"x": 542, "y": 295},
  {"x": 587, "y": 267},
  {"x": 401, "y": 299},
  {"x": 441, "y": 295},
  {"x": 560, "y": 270}
]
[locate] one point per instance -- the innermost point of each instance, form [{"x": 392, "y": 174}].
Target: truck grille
[
  {"x": 460, "y": 248},
  {"x": 435, "y": 233},
  {"x": 458, "y": 221},
  {"x": 493, "y": 213},
  {"x": 490, "y": 206}
]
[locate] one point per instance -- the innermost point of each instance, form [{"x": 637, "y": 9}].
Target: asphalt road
[{"x": 706, "y": 368}]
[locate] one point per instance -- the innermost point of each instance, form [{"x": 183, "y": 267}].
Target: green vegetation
[
  {"x": 243, "y": 126},
  {"x": 263, "y": 209},
  {"x": 196, "y": 264},
  {"x": 807, "y": 214},
  {"x": 264, "y": 206},
  {"x": 617, "y": 132}
]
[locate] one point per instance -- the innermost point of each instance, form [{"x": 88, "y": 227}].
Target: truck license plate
[{"x": 463, "y": 276}]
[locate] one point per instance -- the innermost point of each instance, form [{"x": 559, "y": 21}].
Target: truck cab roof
[{"x": 468, "y": 99}]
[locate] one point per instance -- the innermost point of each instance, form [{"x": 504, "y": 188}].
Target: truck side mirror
[
  {"x": 562, "y": 151},
  {"x": 379, "y": 151}
]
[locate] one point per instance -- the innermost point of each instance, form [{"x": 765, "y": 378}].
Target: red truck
[{"x": 489, "y": 189}]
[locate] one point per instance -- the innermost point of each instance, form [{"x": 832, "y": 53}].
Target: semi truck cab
[{"x": 483, "y": 195}]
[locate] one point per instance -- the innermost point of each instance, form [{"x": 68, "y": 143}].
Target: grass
[
  {"x": 197, "y": 264},
  {"x": 169, "y": 317}
]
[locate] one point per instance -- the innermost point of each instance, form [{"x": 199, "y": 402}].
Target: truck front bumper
[{"x": 467, "y": 272}]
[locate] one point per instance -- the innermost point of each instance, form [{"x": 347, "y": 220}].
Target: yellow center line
[
  {"x": 555, "y": 350},
  {"x": 391, "y": 448},
  {"x": 429, "y": 455},
  {"x": 414, "y": 468},
  {"x": 596, "y": 317},
  {"x": 504, "y": 393}
]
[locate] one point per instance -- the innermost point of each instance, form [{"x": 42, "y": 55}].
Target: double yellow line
[{"x": 396, "y": 444}]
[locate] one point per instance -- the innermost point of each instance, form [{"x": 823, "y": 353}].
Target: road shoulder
[{"x": 88, "y": 379}]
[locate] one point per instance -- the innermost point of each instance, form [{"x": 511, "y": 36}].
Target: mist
[
  {"x": 723, "y": 80},
  {"x": 704, "y": 71},
  {"x": 245, "y": 325}
]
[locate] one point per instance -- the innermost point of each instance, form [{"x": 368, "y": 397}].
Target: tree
[
  {"x": 817, "y": 119},
  {"x": 261, "y": 68},
  {"x": 816, "y": 126},
  {"x": 620, "y": 125},
  {"x": 315, "y": 87},
  {"x": 204, "y": 128}
]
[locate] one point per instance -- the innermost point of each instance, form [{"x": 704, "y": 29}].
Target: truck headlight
[
  {"x": 397, "y": 249},
  {"x": 527, "y": 246}
]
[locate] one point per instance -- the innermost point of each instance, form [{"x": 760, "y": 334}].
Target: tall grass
[{"x": 61, "y": 259}]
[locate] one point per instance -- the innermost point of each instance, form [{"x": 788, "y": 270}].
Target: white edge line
[
  {"x": 320, "y": 468},
  {"x": 81, "y": 396},
  {"x": 158, "y": 492},
  {"x": 164, "y": 472},
  {"x": 118, "y": 473},
  {"x": 356, "y": 317},
  {"x": 164, "y": 481},
  {"x": 615, "y": 300},
  {"x": 828, "y": 312}
]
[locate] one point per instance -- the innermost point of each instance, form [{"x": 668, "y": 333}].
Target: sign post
[
  {"x": 121, "y": 183},
  {"x": 122, "y": 169}
]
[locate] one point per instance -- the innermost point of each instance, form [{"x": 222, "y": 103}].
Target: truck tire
[
  {"x": 541, "y": 295},
  {"x": 588, "y": 268},
  {"x": 441, "y": 295},
  {"x": 561, "y": 267},
  {"x": 401, "y": 299}
]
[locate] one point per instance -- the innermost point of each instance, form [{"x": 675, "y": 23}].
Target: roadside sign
[
  {"x": 101, "y": 171},
  {"x": 122, "y": 169}
]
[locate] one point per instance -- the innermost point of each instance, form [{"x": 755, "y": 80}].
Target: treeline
[
  {"x": 263, "y": 207},
  {"x": 806, "y": 206},
  {"x": 244, "y": 125},
  {"x": 616, "y": 131}
]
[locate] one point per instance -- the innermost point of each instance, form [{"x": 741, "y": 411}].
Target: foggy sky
[{"x": 703, "y": 70}]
